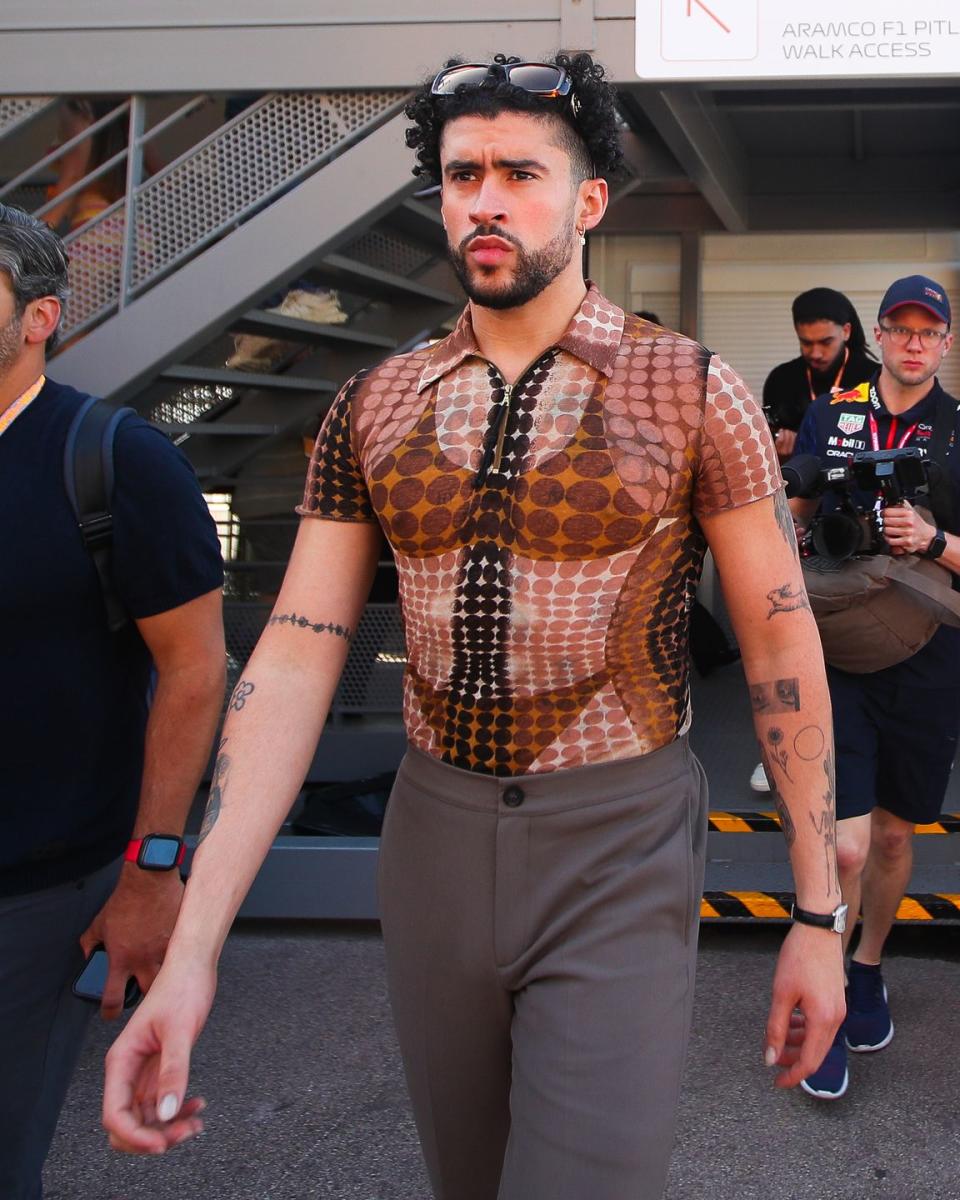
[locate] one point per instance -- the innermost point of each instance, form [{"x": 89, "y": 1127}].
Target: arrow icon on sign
[{"x": 712, "y": 15}]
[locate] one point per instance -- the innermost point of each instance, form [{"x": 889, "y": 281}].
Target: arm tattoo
[
  {"x": 241, "y": 694},
  {"x": 340, "y": 631},
  {"x": 809, "y": 743},
  {"x": 786, "y": 821},
  {"x": 787, "y": 598},
  {"x": 776, "y": 696},
  {"x": 776, "y": 750},
  {"x": 218, "y": 785},
  {"x": 826, "y": 826},
  {"x": 785, "y": 520}
]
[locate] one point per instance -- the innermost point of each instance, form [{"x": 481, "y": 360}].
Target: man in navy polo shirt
[
  {"x": 86, "y": 772},
  {"x": 895, "y": 729}
]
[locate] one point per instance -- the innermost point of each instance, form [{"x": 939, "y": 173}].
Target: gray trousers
[
  {"x": 41, "y": 1021},
  {"x": 540, "y": 937}
]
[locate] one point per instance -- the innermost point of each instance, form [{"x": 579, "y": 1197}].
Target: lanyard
[
  {"x": 836, "y": 383},
  {"x": 9, "y": 415},
  {"x": 875, "y": 434}
]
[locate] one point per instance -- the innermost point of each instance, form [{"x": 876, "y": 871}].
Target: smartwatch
[
  {"x": 836, "y": 920},
  {"x": 156, "y": 851},
  {"x": 938, "y": 543}
]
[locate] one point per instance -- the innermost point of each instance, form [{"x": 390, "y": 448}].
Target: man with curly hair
[{"x": 545, "y": 477}]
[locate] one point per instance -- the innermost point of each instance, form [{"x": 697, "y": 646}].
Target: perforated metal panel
[
  {"x": 96, "y": 253},
  {"x": 389, "y": 252},
  {"x": 14, "y": 110},
  {"x": 372, "y": 678},
  {"x": 246, "y": 164},
  {"x": 188, "y": 404}
]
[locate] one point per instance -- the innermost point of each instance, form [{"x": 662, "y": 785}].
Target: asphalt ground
[{"x": 306, "y": 1098}]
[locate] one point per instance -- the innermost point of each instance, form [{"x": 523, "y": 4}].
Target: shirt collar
[{"x": 593, "y": 336}]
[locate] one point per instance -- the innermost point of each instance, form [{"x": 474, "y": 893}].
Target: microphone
[{"x": 801, "y": 474}]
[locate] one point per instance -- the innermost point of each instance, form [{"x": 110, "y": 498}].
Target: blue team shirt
[
  {"x": 73, "y": 704},
  {"x": 836, "y": 427}
]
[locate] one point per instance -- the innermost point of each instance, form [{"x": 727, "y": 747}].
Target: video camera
[{"x": 853, "y": 528}]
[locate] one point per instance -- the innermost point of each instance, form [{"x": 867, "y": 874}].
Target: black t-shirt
[
  {"x": 787, "y": 389},
  {"x": 836, "y": 427},
  {"x": 73, "y": 703}
]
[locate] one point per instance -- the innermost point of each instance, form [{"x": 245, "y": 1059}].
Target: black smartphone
[{"x": 89, "y": 984}]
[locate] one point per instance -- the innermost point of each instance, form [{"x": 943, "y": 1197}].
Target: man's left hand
[
  {"x": 808, "y": 1003},
  {"x": 905, "y": 530},
  {"x": 134, "y": 926}
]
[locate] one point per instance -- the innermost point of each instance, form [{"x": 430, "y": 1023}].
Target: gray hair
[{"x": 33, "y": 258}]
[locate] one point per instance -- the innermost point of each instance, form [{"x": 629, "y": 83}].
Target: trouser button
[{"x": 513, "y": 796}]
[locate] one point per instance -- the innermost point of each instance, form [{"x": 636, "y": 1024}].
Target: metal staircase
[{"x": 257, "y": 199}]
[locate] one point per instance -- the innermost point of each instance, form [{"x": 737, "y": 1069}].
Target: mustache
[{"x": 488, "y": 231}]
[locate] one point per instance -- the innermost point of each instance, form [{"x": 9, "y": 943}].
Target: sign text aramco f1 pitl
[{"x": 796, "y": 39}]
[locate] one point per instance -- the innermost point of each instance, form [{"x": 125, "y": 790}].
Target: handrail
[{"x": 59, "y": 151}]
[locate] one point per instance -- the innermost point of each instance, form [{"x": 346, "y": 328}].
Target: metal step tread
[
  {"x": 221, "y": 428},
  {"x": 292, "y": 329},
  {"x": 767, "y": 821},
  {"x": 930, "y": 907},
  {"x": 224, "y": 377},
  {"x": 357, "y": 277}
]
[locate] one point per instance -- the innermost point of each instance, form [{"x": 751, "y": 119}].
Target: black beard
[{"x": 534, "y": 271}]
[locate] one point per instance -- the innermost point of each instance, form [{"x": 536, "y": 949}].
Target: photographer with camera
[
  {"x": 886, "y": 461},
  {"x": 833, "y": 357}
]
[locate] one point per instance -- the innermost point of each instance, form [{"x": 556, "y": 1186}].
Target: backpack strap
[
  {"x": 930, "y": 586},
  {"x": 88, "y": 478}
]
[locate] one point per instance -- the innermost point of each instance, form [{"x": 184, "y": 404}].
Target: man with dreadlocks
[
  {"x": 833, "y": 358},
  {"x": 545, "y": 477}
]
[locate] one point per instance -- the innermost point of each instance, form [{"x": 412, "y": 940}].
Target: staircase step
[
  {"x": 931, "y": 908},
  {"x": 744, "y": 821},
  {"x": 290, "y": 329},
  {"x": 336, "y": 271},
  {"x": 223, "y": 377}
]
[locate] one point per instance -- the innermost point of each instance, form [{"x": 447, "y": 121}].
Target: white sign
[{"x": 796, "y": 39}]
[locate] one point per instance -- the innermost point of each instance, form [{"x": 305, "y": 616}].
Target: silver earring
[{"x": 580, "y": 235}]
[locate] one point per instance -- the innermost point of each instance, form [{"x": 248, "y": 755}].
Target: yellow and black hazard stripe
[
  {"x": 769, "y": 822},
  {"x": 775, "y": 906}
]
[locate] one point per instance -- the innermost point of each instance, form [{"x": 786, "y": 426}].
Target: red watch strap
[{"x": 132, "y": 852}]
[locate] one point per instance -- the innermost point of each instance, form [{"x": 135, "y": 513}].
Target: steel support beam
[
  {"x": 182, "y": 313},
  {"x": 696, "y": 133}
]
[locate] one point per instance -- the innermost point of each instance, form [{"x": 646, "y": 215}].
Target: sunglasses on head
[{"x": 539, "y": 79}]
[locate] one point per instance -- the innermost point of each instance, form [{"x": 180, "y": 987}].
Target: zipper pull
[{"x": 502, "y": 427}]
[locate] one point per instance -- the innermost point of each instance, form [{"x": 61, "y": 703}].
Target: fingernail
[
  {"x": 167, "y": 1108},
  {"x": 770, "y": 1056}
]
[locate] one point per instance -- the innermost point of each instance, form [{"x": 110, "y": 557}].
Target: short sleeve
[
  {"x": 165, "y": 546},
  {"x": 336, "y": 488},
  {"x": 738, "y": 462}
]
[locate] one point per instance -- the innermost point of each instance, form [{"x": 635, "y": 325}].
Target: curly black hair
[{"x": 595, "y": 150}]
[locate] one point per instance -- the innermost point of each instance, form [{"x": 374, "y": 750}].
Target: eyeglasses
[
  {"x": 901, "y": 335},
  {"x": 539, "y": 79}
]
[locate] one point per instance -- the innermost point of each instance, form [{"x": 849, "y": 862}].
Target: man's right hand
[
  {"x": 145, "y": 1110},
  {"x": 785, "y": 440}
]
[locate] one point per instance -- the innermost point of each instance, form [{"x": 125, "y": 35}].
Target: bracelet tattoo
[
  {"x": 218, "y": 785},
  {"x": 340, "y": 631},
  {"x": 775, "y": 696}
]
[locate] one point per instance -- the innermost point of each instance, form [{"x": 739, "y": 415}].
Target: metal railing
[{"x": 163, "y": 220}]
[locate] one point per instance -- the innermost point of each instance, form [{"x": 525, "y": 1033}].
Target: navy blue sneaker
[
  {"x": 868, "y": 1021},
  {"x": 830, "y": 1079}
]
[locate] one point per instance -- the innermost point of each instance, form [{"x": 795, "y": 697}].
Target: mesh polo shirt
[{"x": 545, "y": 534}]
